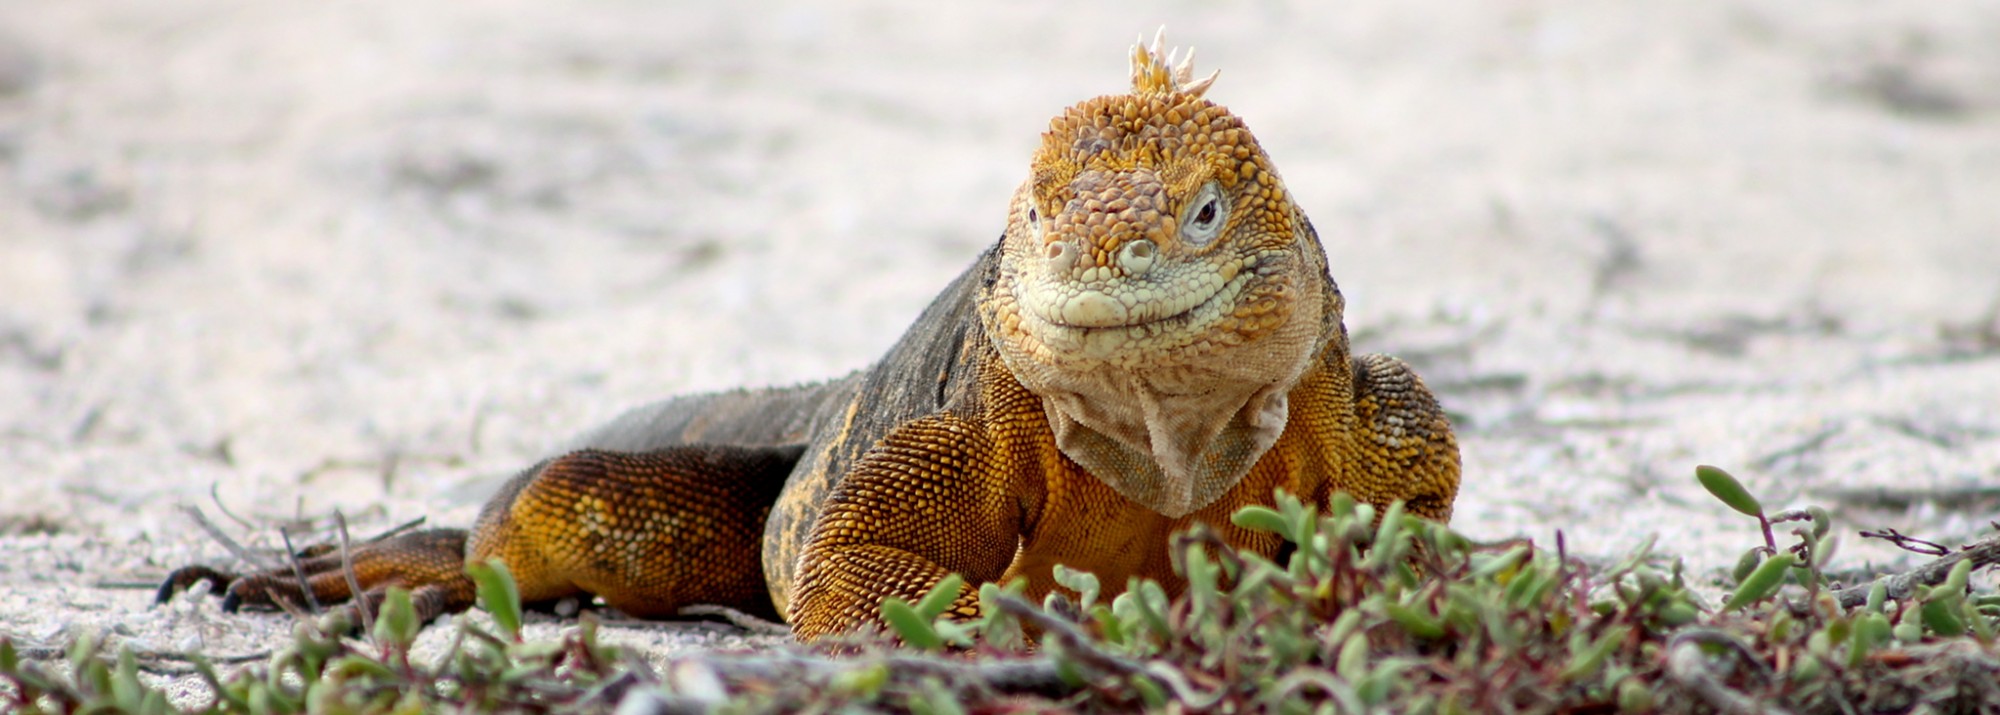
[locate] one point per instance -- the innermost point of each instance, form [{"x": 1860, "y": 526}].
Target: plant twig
[
  {"x": 1982, "y": 554},
  {"x": 354, "y": 593},
  {"x": 215, "y": 495},
  {"x": 178, "y": 664},
  {"x": 221, "y": 537},
  {"x": 1086, "y": 651},
  {"x": 397, "y": 530},
  {"x": 54, "y": 653},
  {"x": 1016, "y": 606},
  {"x": 120, "y": 585},
  {"x": 299, "y": 573},
  {"x": 1907, "y": 542},
  {"x": 1690, "y": 668}
]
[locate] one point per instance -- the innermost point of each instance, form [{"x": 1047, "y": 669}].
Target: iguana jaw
[
  {"x": 1127, "y": 322},
  {"x": 1098, "y": 298},
  {"x": 1109, "y": 318}
]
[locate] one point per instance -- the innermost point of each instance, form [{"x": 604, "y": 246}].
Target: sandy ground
[{"x": 370, "y": 255}]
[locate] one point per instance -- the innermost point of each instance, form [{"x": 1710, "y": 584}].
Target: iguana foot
[
  {"x": 430, "y": 563},
  {"x": 186, "y": 577}
]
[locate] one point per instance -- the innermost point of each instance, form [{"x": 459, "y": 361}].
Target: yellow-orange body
[{"x": 1155, "y": 341}]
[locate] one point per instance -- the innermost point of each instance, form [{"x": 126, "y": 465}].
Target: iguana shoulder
[{"x": 934, "y": 363}]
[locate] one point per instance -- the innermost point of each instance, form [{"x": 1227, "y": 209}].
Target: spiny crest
[{"x": 1166, "y": 74}]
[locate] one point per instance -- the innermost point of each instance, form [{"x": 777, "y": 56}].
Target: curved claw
[{"x": 186, "y": 577}]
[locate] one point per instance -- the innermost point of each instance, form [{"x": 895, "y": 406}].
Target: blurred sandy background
[{"x": 369, "y": 255}]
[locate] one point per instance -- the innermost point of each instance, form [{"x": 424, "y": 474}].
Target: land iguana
[{"x": 1154, "y": 341}]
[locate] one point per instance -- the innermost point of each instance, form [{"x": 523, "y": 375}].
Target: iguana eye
[{"x": 1205, "y": 216}]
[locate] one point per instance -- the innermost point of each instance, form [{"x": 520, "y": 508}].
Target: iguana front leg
[
  {"x": 1407, "y": 450},
  {"x": 935, "y": 497}
]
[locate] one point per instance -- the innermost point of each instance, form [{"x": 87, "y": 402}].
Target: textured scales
[
  {"x": 1155, "y": 341},
  {"x": 1164, "y": 354}
]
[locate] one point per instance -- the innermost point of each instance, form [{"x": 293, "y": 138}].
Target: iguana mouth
[
  {"x": 1139, "y": 305},
  {"x": 1097, "y": 308}
]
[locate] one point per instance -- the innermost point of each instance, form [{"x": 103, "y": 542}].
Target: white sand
[{"x": 263, "y": 246}]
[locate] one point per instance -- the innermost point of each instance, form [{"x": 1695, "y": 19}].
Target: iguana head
[{"x": 1159, "y": 289}]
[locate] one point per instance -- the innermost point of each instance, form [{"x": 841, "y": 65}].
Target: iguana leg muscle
[
  {"x": 648, "y": 533},
  {"x": 933, "y": 498}
]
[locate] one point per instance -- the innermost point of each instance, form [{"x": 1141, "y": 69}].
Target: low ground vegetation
[{"x": 1365, "y": 612}]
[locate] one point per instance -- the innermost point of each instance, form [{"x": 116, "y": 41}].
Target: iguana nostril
[
  {"x": 1137, "y": 257},
  {"x": 1060, "y": 256}
]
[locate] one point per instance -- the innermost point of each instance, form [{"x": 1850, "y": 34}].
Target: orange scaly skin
[{"x": 1155, "y": 341}]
